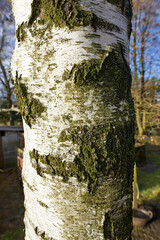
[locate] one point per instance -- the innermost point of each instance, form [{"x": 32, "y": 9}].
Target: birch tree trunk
[{"x": 71, "y": 72}]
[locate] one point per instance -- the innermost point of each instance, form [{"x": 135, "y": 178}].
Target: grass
[
  {"x": 11, "y": 206},
  {"x": 17, "y": 234},
  {"x": 149, "y": 183},
  {"x": 154, "y": 158}
]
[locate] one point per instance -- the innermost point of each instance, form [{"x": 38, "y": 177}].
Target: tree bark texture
[{"x": 72, "y": 78}]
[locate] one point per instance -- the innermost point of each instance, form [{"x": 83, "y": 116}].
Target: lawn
[
  {"x": 148, "y": 176},
  {"x": 17, "y": 234}
]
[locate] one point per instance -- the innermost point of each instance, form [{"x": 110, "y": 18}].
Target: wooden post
[{"x": 135, "y": 202}]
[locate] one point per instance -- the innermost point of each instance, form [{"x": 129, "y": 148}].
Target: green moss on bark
[
  {"x": 115, "y": 226},
  {"x": 30, "y": 108},
  {"x": 55, "y": 165},
  {"x": 62, "y": 13},
  {"x": 20, "y": 32},
  {"x": 67, "y": 13},
  {"x": 110, "y": 71},
  {"x": 103, "y": 150},
  {"x": 105, "y": 162}
]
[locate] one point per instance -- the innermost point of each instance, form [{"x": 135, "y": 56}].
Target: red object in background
[
  {"x": 19, "y": 163},
  {"x": 22, "y": 143},
  {"x": 20, "y": 156}
]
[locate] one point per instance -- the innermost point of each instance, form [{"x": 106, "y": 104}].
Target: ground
[
  {"x": 11, "y": 206},
  {"x": 12, "y": 210}
]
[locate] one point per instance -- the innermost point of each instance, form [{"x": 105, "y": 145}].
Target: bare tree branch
[
  {"x": 9, "y": 110},
  {"x": 4, "y": 71}
]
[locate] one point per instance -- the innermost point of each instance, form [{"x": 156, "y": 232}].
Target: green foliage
[{"x": 5, "y": 118}]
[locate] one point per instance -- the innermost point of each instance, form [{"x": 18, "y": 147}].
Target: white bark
[{"x": 56, "y": 209}]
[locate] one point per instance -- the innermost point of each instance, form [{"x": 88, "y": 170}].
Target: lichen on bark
[
  {"x": 20, "y": 32},
  {"x": 30, "y": 107},
  {"x": 97, "y": 158},
  {"x": 67, "y": 13},
  {"x": 63, "y": 14},
  {"x": 111, "y": 70},
  {"x": 86, "y": 139},
  {"x": 116, "y": 228},
  {"x": 101, "y": 153}
]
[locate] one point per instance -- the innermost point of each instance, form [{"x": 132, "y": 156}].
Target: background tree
[
  {"x": 152, "y": 103},
  {"x": 144, "y": 56},
  {"x": 72, "y": 78},
  {"x": 7, "y": 39}
]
